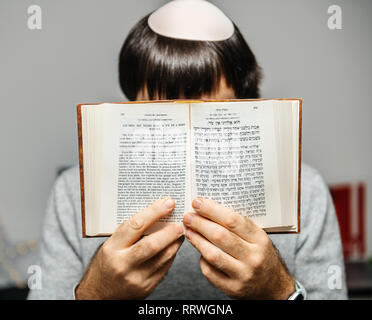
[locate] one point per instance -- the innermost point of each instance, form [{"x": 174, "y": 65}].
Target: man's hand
[
  {"x": 128, "y": 267},
  {"x": 237, "y": 256}
]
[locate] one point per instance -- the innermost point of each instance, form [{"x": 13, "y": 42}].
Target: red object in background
[
  {"x": 349, "y": 202},
  {"x": 361, "y": 238},
  {"x": 342, "y": 201}
]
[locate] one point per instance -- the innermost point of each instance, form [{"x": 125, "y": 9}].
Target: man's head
[{"x": 152, "y": 66}]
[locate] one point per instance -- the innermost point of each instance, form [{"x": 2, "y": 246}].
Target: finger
[
  {"x": 214, "y": 255},
  {"x": 156, "y": 277},
  {"x": 217, "y": 234},
  {"x": 132, "y": 230},
  {"x": 157, "y": 262},
  {"x": 154, "y": 243},
  {"x": 214, "y": 276},
  {"x": 235, "y": 222}
]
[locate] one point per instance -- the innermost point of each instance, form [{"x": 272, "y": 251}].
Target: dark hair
[{"x": 172, "y": 68}]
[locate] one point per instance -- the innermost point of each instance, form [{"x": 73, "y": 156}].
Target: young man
[{"x": 226, "y": 254}]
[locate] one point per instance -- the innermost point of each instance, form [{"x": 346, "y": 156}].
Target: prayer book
[{"x": 244, "y": 154}]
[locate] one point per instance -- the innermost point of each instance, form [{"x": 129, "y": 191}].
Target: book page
[
  {"x": 146, "y": 157},
  {"x": 287, "y": 137},
  {"x": 234, "y": 158},
  {"x": 92, "y": 125}
]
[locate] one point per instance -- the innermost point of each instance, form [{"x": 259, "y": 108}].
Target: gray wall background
[{"x": 73, "y": 59}]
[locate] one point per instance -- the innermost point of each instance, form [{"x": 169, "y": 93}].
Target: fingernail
[
  {"x": 169, "y": 203},
  {"x": 197, "y": 204},
  {"x": 179, "y": 229},
  {"x": 187, "y": 219}
]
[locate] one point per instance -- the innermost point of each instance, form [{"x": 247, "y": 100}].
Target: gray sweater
[{"x": 311, "y": 256}]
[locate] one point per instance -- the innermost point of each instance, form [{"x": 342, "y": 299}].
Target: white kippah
[{"x": 191, "y": 20}]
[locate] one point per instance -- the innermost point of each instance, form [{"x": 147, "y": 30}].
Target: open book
[{"x": 245, "y": 154}]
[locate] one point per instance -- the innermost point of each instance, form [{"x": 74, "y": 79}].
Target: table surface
[{"x": 359, "y": 277}]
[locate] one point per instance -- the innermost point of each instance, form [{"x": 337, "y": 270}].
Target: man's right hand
[{"x": 128, "y": 267}]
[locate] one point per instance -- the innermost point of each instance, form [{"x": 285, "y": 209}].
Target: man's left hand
[{"x": 237, "y": 256}]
